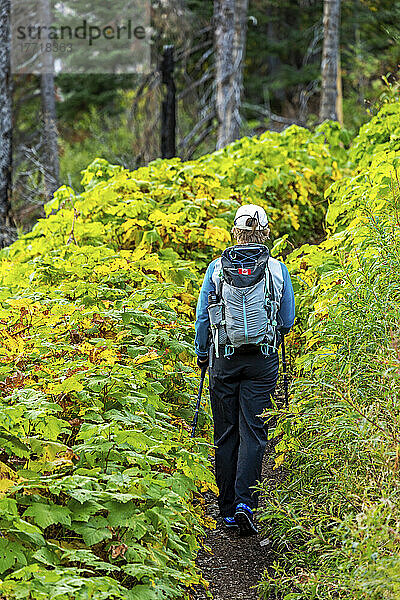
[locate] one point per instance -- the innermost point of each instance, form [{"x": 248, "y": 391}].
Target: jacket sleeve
[
  {"x": 286, "y": 312},
  {"x": 202, "y": 325}
]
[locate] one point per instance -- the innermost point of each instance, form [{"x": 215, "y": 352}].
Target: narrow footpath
[{"x": 235, "y": 564}]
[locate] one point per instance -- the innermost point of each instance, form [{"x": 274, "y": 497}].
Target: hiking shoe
[
  {"x": 230, "y": 522},
  {"x": 244, "y": 519}
]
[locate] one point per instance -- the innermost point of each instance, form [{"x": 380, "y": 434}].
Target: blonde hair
[{"x": 245, "y": 236}]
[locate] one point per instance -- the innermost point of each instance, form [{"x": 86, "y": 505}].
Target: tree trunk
[
  {"x": 239, "y": 54},
  {"x": 51, "y": 167},
  {"x": 6, "y": 221},
  {"x": 330, "y": 59},
  {"x": 48, "y": 93},
  {"x": 273, "y": 60},
  {"x": 168, "y": 108},
  {"x": 230, "y": 19},
  {"x": 339, "y": 99}
]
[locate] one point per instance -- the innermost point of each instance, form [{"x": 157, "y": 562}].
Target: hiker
[{"x": 246, "y": 304}]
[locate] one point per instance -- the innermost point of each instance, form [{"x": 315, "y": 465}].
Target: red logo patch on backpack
[{"x": 244, "y": 271}]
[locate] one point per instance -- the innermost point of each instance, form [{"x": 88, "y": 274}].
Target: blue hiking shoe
[
  {"x": 244, "y": 520},
  {"x": 230, "y": 522}
]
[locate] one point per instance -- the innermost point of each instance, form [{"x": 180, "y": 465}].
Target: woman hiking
[{"x": 246, "y": 304}]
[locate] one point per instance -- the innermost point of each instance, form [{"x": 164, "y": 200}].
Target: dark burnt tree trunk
[{"x": 168, "y": 109}]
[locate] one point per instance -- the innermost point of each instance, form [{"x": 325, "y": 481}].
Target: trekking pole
[
  {"x": 196, "y": 412},
  {"x": 284, "y": 368}
]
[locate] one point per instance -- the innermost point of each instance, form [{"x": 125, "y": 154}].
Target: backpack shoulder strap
[
  {"x": 217, "y": 276},
  {"x": 276, "y": 278}
]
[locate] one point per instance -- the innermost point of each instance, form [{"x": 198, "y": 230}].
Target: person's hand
[{"x": 202, "y": 363}]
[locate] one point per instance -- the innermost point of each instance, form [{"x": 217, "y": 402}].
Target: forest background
[{"x": 118, "y": 117}]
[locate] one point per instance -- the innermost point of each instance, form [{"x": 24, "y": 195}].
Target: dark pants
[{"x": 240, "y": 390}]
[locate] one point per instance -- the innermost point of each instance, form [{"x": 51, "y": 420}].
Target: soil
[{"x": 236, "y": 564}]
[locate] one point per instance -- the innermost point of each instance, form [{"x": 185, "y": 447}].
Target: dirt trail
[{"x": 236, "y": 564}]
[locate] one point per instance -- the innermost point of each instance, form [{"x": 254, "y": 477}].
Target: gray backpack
[{"x": 244, "y": 311}]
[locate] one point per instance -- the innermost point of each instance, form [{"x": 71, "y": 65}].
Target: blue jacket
[{"x": 286, "y": 311}]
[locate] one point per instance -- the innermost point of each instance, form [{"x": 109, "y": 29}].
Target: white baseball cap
[{"x": 246, "y": 213}]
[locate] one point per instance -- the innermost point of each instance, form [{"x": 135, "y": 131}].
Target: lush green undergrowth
[
  {"x": 99, "y": 479},
  {"x": 100, "y": 482},
  {"x": 334, "y": 518}
]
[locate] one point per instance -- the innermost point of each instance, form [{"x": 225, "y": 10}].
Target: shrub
[
  {"x": 334, "y": 519},
  {"x": 99, "y": 479}
]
